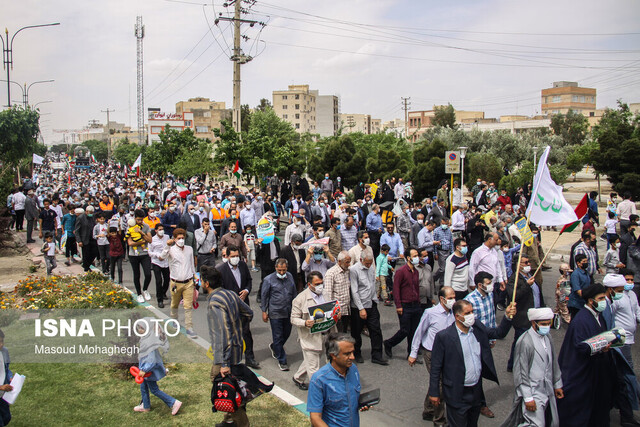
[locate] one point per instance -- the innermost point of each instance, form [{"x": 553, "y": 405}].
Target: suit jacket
[
  {"x": 524, "y": 300},
  {"x": 31, "y": 211},
  {"x": 299, "y": 315},
  {"x": 447, "y": 360},
  {"x": 263, "y": 256},
  {"x": 224, "y": 228},
  {"x": 436, "y": 214},
  {"x": 229, "y": 282},
  {"x": 287, "y": 253},
  {"x": 191, "y": 225}
]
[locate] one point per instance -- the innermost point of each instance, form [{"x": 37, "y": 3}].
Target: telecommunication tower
[{"x": 139, "y": 31}]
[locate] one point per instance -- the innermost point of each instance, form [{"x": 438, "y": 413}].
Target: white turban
[
  {"x": 79, "y": 211},
  {"x": 544, "y": 313},
  {"x": 614, "y": 280}
]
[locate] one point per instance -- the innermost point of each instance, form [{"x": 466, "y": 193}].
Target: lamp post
[
  {"x": 463, "y": 154},
  {"x": 38, "y": 103},
  {"x": 25, "y": 93},
  {"x": 535, "y": 156},
  {"x": 7, "y": 53}
]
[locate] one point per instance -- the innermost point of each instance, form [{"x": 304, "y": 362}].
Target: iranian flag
[
  {"x": 93, "y": 159},
  {"x": 236, "y": 169},
  {"x": 182, "y": 190},
  {"x": 581, "y": 211},
  {"x": 137, "y": 164}
]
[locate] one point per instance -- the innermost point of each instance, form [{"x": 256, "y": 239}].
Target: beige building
[
  {"x": 420, "y": 121},
  {"x": 353, "y": 123},
  {"x": 565, "y": 96},
  {"x": 207, "y": 115},
  {"x": 327, "y": 114},
  {"x": 297, "y": 105}
]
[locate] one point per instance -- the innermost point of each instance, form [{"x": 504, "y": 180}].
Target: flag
[
  {"x": 126, "y": 171},
  {"x": 581, "y": 210},
  {"x": 138, "y": 162},
  {"x": 236, "y": 169},
  {"x": 93, "y": 159},
  {"x": 37, "y": 160},
  {"x": 547, "y": 205},
  {"x": 182, "y": 190}
]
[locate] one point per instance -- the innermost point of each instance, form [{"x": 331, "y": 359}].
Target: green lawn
[{"x": 85, "y": 394}]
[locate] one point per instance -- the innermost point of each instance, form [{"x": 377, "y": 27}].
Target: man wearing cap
[
  {"x": 536, "y": 374},
  {"x": 588, "y": 378}
]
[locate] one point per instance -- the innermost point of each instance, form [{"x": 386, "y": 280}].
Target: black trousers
[
  {"x": 103, "y": 251},
  {"x": 5, "y": 413},
  {"x": 375, "y": 333},
  {"x": 467, "y": 410},
  {"x": 116, "y": 262},
  {"x": 409, "y": 320},
  {"x": 136, "y": 263},
  {"x": 374, "y": 236},
  {"x": 71, "y": 248},
  {"x": 89, "y": 254},
  {"x": 161, "y": 275},
  {"x": 248, "y": 338},
  {"x": 19, "y": 219},
  {"x": 206, "y": 259}
]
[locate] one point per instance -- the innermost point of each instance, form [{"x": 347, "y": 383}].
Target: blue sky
[{"x": 492, "y": 55}]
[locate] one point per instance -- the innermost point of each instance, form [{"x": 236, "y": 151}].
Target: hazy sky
[{"x": 490, "y": 55}]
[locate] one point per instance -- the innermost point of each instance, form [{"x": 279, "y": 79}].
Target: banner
[
  {"x": 525, "y": 231},
  {"x": 324, "y": 316},
  {"x": 373, "y": 188},
  {"x": 315, "y": 242},
  {"x": 37, "y": 160},
  {"x": 265, "y": 230}
]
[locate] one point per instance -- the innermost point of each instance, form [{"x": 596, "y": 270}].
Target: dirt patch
[{"x": 15, "y": 260}]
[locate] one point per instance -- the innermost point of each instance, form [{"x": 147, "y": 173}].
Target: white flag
[
  {"x": 138, "y": 162},
  {"x": 547, "y": 205},
  {"x": 37, "y": 160}
]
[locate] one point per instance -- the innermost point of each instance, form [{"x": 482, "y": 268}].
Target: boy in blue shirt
[{"x": 382, "y": 275}]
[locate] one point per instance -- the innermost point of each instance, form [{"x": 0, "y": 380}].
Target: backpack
[{"x": 225, "y": 394}]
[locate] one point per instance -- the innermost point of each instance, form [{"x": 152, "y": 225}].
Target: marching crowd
[{"x": 447, "y": 264}]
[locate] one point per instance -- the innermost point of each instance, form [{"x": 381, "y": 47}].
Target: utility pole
[
  {"x": 405, "y": 107},
  {"x": 139, "y": 32},
  {"x": 108, "y": 132},
  {"x": 238, "y": 57}
]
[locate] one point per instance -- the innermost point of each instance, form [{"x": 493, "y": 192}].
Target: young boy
[
  {"x": 5, "y": 378},
  {"x": 563, "y": 289},
  {"x": 134, "y": 233},
  {"x": 508, "y": 256},
  {"x": 250, "y": 243},
  {"x": 100, "y": 232},
  {"x": 610, "y": 226},
  {"x": 49, "y": 251},
  {"x": 612, "y": 258},
  {"x": 116, "y": 253},
  {"x": 383, "y": 278}
]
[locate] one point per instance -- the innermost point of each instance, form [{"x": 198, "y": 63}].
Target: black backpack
[{"x": 225, "y": 394}]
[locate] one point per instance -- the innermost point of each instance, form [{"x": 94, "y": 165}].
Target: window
[
  {"x": 188, "y": 123},
  {"x": 297, "y": 106},
  {"x": 556, "y": 98},
  {"x": 297, "y": 125},
  {"x": 285, "y": 116},
  {"x": 284, "y": 107},
  {"x": 574, "y": 98},
  {"x": 593, "y": 99},
  {"x": 297, "y": 96},
  {"x": 156, "y": 129},
  {"x": 207, "y": 113},
  {"x": 202, "y": 129},
  {"x": 545, "y": 100},
  {"x": 297, "y": 116},
  {"x": 284, "y": 96}
]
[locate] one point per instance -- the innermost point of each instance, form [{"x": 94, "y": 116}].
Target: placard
[
  {"x": 324, "y": 315},
  {"x": 265, "y": 230}
]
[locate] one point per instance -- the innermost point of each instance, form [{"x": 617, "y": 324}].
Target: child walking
[
  {"x": 100, "y": 234},
  {"x": 382, "y": 275},
  {"x": 612, "y": 258},
  {"x": 116, "y": 253},
  {"x": 610, "y": 226},
  {"x": 250, "y": 243},
  {"x": 49, "y": 250},
  {"x": 150, "y": 360}
]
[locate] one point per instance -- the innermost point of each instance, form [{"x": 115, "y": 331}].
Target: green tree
[
  {"x": 428, "y": 167},
  {"x": 338, "y": 157},
  {"x": 229, "y": 147},
  {"x": 444, "y": 116},
  {"x": 484, "y": 166},
  {"x": 98, "y": 148},
  {"x": 194, "y": 162},
  {"x": 580, "y": 156},
  {"x": 264, "y": 104},
  {"x": 571, "y": 127},
  {"x": 126, "y": 153},
  {"x": 19, "y": 131}
]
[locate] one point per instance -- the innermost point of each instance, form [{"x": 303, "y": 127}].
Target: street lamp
[
  {"x": 38, "y": 103},
  {"x": 7, "y": 53},
  {"x": 25, "y": 93},
  {"x": 463, "y": 154},
  {"x": 535, "y": 156}
]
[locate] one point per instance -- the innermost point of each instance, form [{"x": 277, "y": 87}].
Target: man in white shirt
[
  {"x": 485, "y": 258},
  {"x": 458, "y": 222},
  {"x": 624, "y": 210},
  {"x": 182, "y": 271},
  {"x": 296, "y": 227},
  {"x": 159, "y": 266},
  {"x": 18, "y": 200}
]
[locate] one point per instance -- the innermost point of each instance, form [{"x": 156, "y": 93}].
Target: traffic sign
[{"x": 452, "y": 162}]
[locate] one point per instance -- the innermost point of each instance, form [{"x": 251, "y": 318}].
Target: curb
[{"x": 277, "y": 391}]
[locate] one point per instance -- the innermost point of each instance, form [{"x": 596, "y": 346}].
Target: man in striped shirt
[{"x": 225, "y": 314}]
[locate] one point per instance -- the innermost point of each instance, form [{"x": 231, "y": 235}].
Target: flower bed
[{"x": 91, "y": 290}]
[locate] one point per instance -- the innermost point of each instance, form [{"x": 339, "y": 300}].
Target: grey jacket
[{"x": 31, "y": 211}]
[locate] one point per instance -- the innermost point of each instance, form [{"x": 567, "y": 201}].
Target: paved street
[{"x": 402, "y": 388}]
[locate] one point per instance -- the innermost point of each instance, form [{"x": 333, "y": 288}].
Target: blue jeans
[
  {"x": 280, "y": 331},
  {"x": 152, "y": 386}
]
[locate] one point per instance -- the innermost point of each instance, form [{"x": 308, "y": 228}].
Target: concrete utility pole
[
  {"x": 405, "y": 107},
  {"x": 108, "y": 132},
  {"x": 139, "y": 32}
]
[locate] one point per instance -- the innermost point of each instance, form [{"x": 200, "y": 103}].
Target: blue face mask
[
  {"x": 444, "y": 226},
  {"x": 601, "y": 306},
  {"x": 317, "y": 257},
  {"x": 544, "y": 330},
  {"x": 628, "y": 287},
  {"x": 233, "y": 231},
  {"x": 337, "y": 227},
  {"x": 464, "y": 250},
  {"x": 616, "y": 296},
  {"x": 281, "y": 276}
]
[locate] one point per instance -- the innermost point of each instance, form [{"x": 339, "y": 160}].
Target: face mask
[
  {"x": 296, "y": 222},
  {"x": 218, "y": 205},
  {"x": 317, "y": 257},
  {"x": 415, "y": 260},
  {"x": 320, "y": 234},
  {"x": 318, "y": 289},
  {"x": 281, "y": 276},
  {"x": 192, "y": 211},
  {"x": 326, "y": 177},
  {"x": 601, "y": 306},
  {"x": 152, "y": 214},
  {"x": 295, "y": 247},
  {"x": 449, "y": 303},
  {"x": 172, "y": 208},
  {"x": 322, "y": 204},
  {"x": 628, "y": 287},
  {"x": 233, "y": 231},
  {"x": 180, "y": 242},
  {"x": 421, "y": 221},
  {"x": 489, "y": 288},
  {"x": 464, "y": 250},
  {"x": 234, "y": 260},
  {"x": 201, "y": 209},
  {"x": 366, "y": 241},
  {"x": 338, "y": 227},
  {"x": 160, "y": 233},
  {"x": 444, "y": 226},
  {"x": 469, "y": 320},
  {"x": 616, "y": 296},
  {"x": 526, "y": 269},
  {"x": 505, "y": 249},
  {"x": 225, "y": 259},
  {"x": 544, "y": 330}
]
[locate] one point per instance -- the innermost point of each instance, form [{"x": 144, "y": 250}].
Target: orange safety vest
[
  {"x": 106, "y": 208},
  {"x": 218, "y": 215},
  {"x": 151, "y": 223}
]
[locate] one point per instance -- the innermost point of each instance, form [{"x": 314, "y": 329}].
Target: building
[
  {"x": 157, "y": 122},
  {"x": 207, "y": 115},
  {"x": 327, "y": 114},
  {"x": 514, "y": 126},
  {"x": 420, "y": 121},
  {"x": 352, "y": 123},
  {"x": 297, "y": 105},
  {"x": 565, "y": 96}
]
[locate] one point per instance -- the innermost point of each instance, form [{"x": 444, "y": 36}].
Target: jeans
[
  {"x": 5, "y": 413},
  {"x": 19, "y": 219},
  {"x": 116, "y": 261},
  {"x": 280, "y": 331},
  {"x": 375, "y": 333},
  {"x": 152, "y": 386},
  {"x": 89, "y": 253},
  {"x": 409, "y": 320},
  {"x": 162, "y": 280},
  {"x": 30, "y": 230},
  {"x": 103, "y": 251},
  {"x": 71, "y": 248},
  {"x": 51, "y": 263},
  {"x": 517, "y": 332},
  {"x": 145, "y": 262}
]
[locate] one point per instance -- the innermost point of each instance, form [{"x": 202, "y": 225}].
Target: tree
[
  {"x": 580, "y": 156},
  {"x": 98, "y": 148},
  {"x": 485, "y": 166},
  {"x": 444, "y": 116},
  {"x": 571, "y": 127},
  {"x": 194, "y": 162},
  {"x": 524, "y": 176},
  {"x": 229, "y": 148},
  {"x": 19, "y": 131},
  {"x": 126, "y": 153},
  {"x": 428, "y": 168},
  {"x": 339, "y": 157},
  {"x": 264, "y": 104}
]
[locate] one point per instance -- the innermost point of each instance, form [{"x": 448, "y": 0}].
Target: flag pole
[
  {"x": 515, "y": 283},
  {"x": 547, "y": 254}
]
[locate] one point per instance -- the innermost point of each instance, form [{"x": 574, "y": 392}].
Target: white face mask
[
  {"x": 320, "y": 234},
  {"x": 526, "y": 269},
  {"x": 421, "y": 221},
  {"x": 180, "y": 242},
  {"x": 224, "y": 259},
  {"x": 366, "y": 241},
  {"x": 489, "y": 288},
  {"x": 160, "y": 233},
  {"x": 449, "y": 303},
  {"x": 318, "y": 289},
  {"x": 234, "y": 260},
  {"x": 469, "y": 320}
]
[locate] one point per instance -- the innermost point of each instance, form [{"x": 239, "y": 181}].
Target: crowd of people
[{"x": 448, "y": 264}]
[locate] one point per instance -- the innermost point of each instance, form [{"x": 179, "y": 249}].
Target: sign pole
[{"x": 451, "y": 198}]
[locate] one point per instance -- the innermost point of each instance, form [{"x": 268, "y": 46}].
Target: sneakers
[
  {"x": 140, "y": 299},
  {"x": 140, "y": 408},
  {"x": 300, "y": 384},
  {"x": 283, "y": 366},
  {"x": 67, "y": 263},
  {"x": 255, "y": 270},
  {"x": 176, "y": 407},
  {"x": 252, "y": 363},
  {"x": 147, "y": 296},
  {"x": 191, "y": 334},
  {"x": 388, "y": 303},
  {"x": 273, "y": 353}
]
